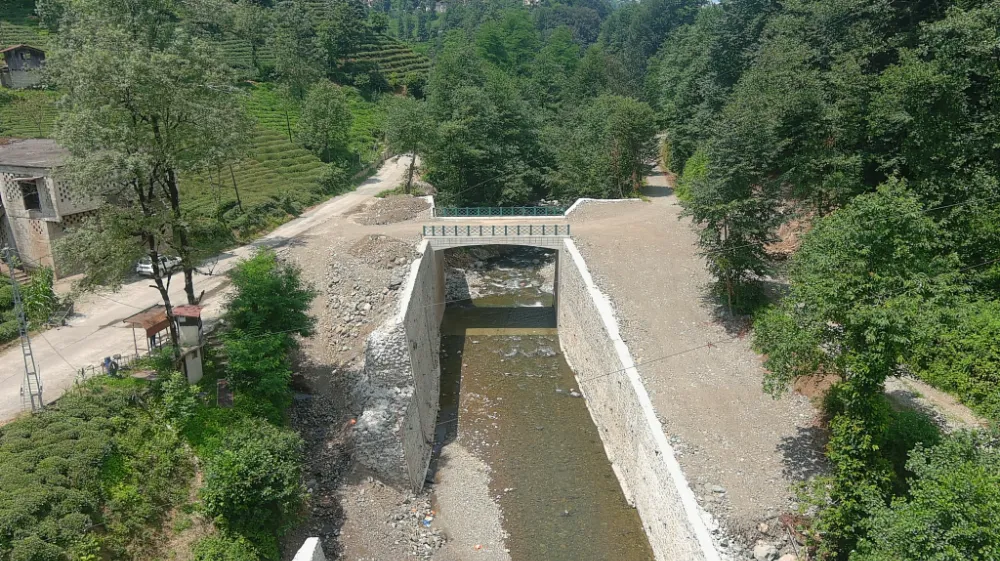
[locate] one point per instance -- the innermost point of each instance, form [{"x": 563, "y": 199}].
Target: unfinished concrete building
[{"x": 35, "y": 207}]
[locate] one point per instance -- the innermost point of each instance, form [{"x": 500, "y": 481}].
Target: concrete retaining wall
[
  {"x": 400, "y": 385},
  {"x": 633, "y": 439},
  {"x": 311, "y": 550}
]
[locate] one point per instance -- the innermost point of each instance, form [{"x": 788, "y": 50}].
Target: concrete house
[
  {"x": 36, "y": 208},
  {"x": 21, "y": 66}
]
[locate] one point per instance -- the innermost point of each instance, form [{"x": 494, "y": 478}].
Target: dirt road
[
  {"x": 96, "y": 330},
  {"x": 740, "y": 448}
]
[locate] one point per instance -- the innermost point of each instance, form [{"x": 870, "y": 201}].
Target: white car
[{"x": 168, "y": 264}]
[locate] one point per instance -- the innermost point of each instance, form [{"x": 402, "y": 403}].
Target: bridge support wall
[
  {"x": 400, "y": 384},
  {"x": 633, "y": 439}
]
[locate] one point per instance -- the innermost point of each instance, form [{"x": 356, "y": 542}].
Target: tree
[
  {"x": 252, "y": 484},
  {"x": 269, "y": 297},
  {"x": 325, "y": 122},
  {"x": 408, "y": 130},
  {"x": 486, "y": 148},
  {"x": 860, "y": 283},
  {"x": 298, "y": 58},
  {"x": 340, "y": 33},
  {"x": 949, "y": 515},
  {"x": 605, "y": 152},
  {"x": 251, "y": 21},
  {"x": 161, "y": 107}
]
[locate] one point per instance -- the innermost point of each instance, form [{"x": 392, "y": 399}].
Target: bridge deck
[{"x": 486, "y": 233}]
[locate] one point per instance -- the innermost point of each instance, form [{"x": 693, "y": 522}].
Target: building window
[{"x": 29, "y": 192}]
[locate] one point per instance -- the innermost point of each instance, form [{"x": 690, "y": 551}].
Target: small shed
[
  {"x": 153, "y": 322},
  {"x": 21, "y": 66}
]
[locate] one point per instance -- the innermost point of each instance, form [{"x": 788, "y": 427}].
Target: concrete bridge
[{"x": 535, "y": 234}]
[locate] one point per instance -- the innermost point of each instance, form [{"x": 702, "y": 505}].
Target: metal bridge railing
[
  {"x": 463, "y": 212},
  {"x": 497, "y": 230}
]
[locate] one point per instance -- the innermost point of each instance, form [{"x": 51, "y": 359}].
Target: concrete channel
[{"x": 401, "y": 395}]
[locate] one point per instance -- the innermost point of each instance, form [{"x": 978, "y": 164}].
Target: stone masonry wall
[
  {"x": 633, "y": 439},
  {"x": 399, "y": 387}
]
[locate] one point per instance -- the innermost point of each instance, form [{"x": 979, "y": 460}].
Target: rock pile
[
  {"x": 358, "y": 297},
  {"x": 392, "y": 209},
  {"x": 383, "y": 251},
  {"x": 416, "y": 519}
]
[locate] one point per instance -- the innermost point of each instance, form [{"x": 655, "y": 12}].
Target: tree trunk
[
  {"x": 239, "y": 201},
  {"x": 409, "y": 173},
  {"x": 181, "y": 233},
  {"x": 288, "y": 123}
]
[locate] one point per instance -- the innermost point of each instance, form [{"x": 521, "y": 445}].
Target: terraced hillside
[
  {"x": 19, "y": 26},
  {"x": 279, "y": 174},
  {"x": 393, "y": 57},
  {"x": 275, "y": 114},
  {"x": 29, "y": 114}
]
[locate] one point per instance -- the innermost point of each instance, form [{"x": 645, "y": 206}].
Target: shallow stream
[{"x": 508, "y": 396}]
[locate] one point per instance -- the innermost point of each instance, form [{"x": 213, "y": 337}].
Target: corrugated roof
[{"x": 21, "y": 46}]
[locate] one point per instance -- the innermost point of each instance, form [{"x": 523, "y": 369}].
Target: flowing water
[{"x": 508, "y": 395}]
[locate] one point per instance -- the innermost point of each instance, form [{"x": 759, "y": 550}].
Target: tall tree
[
  {"x": 298, "y": 56},
  {"x": 606, "y": 150},
  {"x": 252, "y": 23},
  {"x": 408, "y": 130},
  {"x": 162, "y": 106},
  {"x": 325, "y": 122}
]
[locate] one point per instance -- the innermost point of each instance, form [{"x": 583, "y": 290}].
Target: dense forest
[{"x": 840, "y": 160}]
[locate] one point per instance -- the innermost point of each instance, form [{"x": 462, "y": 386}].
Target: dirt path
[{"x": 740, "y": 449}]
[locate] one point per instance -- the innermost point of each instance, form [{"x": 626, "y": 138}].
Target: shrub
[
  {"x": 951, "y": 512},
  {"x": 252, "y": 484},
  {"x": 180, "y": 399},
  {"x": 92, "y": 458},
  {"x": 695, "y": 170},
  {"x": 39, "y": 298},
  {"x": 258, "y": 365},
  {"x": 269, "y": 297},
  {"x": 224, "y": 548},
  {"x": 962, "y": 356}
]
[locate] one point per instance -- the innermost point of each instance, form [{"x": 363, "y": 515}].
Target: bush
[
  {"x": 951, "y": 512},
  {"x": 39, "y": 298},
  {"x": 962, "y": 356},
  {"x": 695, "y": 170},
  {"x": 258, "y": 365},
  {"x": 179, "y": 398},
  {"x": 269, "y": 297},
  {"x": 252, "y": 484},
  {"x": 224, "y": 548},
  {"x": 94, "y": 458}
]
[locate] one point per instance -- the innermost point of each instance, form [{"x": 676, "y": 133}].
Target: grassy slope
[{"x": 19, "y": 26}]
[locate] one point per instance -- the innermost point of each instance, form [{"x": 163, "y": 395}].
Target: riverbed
[{"x": 513, "y": 421}]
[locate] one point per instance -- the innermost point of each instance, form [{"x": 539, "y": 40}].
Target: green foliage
[
  {"x": 180, "y": 399},
  {"x": 606, "y": 153},
  {"x": 252, "y": 483},
  {"x": 38, "y": 296},
  {"x": 695, "y": 172},
  {"x": 93, "y": 458},
  {"x": 960, "y": 354},
  {"x": 408, "y": 130},
  {"x": 269, "y": 297},
  {"x": 258, "y": 366},
  {"x": 949, "y": 514},
  {"x": 224, "y": 548},
  {"x": 859, "y": 285},
  {"x": 325, "y": 122},
  {"x": 486, "y": 149}
]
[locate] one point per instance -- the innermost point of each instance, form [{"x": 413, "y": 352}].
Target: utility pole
[{"x": 32, "y": 387}]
